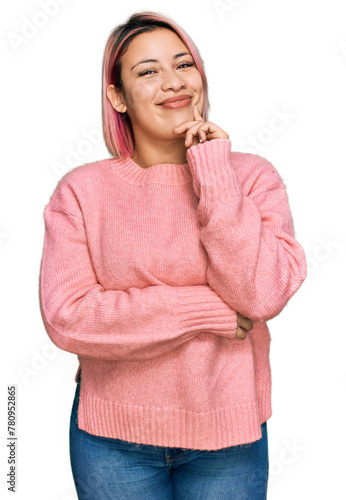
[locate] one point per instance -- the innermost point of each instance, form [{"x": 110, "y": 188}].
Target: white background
[{"x": 263, "y": 59}]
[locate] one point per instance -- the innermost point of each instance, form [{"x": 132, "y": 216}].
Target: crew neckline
[{"x": 169, "y": 174}]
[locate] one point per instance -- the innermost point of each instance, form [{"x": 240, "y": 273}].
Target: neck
[{"x": 146, "y": 155}]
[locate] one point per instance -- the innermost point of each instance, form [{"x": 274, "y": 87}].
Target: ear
[{"x": 116, "y": 99}]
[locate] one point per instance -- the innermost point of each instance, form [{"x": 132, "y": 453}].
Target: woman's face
[{"x": 170, "y": 72}]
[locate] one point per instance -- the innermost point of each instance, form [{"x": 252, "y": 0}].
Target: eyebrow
[{"x": 155, "y": 60}]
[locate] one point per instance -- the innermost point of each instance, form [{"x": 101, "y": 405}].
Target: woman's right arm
[{"x": 82, "y": 317}]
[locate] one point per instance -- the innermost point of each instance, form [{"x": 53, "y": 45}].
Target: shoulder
[
  {"x": 255, "y": 173},
  {"x": 89, "y": 172},
  {"x": 77, "y": 184}
]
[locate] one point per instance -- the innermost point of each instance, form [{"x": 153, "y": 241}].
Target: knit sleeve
[
  {"x": 254, "y": 262},
  {"x": 82, "y": 317}
]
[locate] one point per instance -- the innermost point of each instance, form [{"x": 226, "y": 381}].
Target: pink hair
[{"x": 117, "y": 128}]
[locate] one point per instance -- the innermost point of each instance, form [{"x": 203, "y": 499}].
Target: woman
[{"x": 160, "y": 268}]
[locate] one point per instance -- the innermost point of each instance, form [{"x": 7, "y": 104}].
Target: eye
[
  {"x": 186, "y": 64},
  {"x": 150, "y": 71},
  {"x": 146, "y": 72}
]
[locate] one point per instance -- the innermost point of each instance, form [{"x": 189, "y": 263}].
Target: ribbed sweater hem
[{"x": 213, "y": 430}]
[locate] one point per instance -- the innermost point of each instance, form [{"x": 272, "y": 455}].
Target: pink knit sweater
[{"x": 142, "y": 273}]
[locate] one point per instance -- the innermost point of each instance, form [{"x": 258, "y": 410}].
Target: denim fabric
[{"x": 112, "y": 469}]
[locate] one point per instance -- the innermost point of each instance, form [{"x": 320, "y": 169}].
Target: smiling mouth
[{"x": 171, "y": 102}]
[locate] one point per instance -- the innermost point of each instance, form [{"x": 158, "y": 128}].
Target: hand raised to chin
[{"x": 199, "y": 130}]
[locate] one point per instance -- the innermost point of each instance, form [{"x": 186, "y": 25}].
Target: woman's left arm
[{"x": 255, "y": 263}]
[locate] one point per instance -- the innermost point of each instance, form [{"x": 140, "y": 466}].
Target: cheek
[
  {"x": 142, "y": 94},
  {"x": 195, "y": 80},
  {"x": 198, "y": 83}
]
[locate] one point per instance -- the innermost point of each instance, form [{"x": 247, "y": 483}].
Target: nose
[{"x": 172, "y": 81}]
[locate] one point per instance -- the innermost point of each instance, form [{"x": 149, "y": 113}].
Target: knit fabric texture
[{"x": 142, "y": 274}]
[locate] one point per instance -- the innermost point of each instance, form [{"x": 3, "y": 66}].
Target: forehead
[{"x": 161, "y": 42}]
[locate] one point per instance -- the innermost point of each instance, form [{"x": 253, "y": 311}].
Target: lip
[{"x": 182, "y": 97}]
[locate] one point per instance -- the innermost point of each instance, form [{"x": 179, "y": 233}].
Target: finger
[
  {"x": 196, "y": 113},
  {"x": 181, "y": 129},
  {"x": 194, "y": 142},
  {"x": 186, "y": 125},
  {"x": 202, "y": 136},
  {"x": 245, "y": 323},
  {"x": 198, "y": 131},
  {"x": 240, "y": 333}
]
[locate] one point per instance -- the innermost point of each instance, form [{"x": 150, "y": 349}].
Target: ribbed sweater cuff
[
  {"x": 210, "y": 166},
  {"x": 202, "y": 309}
]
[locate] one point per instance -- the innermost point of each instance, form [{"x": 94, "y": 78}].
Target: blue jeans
[{"x": 111, "y": 469}]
